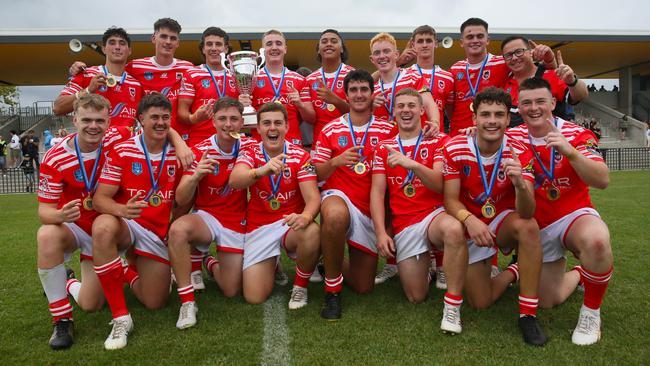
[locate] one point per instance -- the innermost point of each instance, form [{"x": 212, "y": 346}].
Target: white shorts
[
  {"x": 147, "y": 244},
  {"x": 413, "y": 240},
  {"x": 227, "y": 240},
  {"x": 552, "y": 236},
  {"x": 265, "y": 242},
  {"x": 476, "y": 253},
  {"x": 83, "y": 241},
  {"x": 361, "y": 233}
]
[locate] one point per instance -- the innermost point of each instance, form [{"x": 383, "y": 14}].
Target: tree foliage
[{"x": 9, "y": 95}]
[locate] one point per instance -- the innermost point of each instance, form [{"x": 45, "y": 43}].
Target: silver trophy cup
[{"x": 244, "y": 67}]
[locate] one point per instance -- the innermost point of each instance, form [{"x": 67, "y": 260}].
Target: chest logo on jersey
[
  {"x": 374, "y": 140},
  {"x": 339, "y": 84},
  {"x": 136, "y": 168},
  {"x": 205, "y": 83},
  {"x": 148, "y": 75},
  {"x": 216, "y": 170},
  {"x": 163, "y": 75},
  {"x": 466, "y": 170},
  {"x": 286, "y": 173},
  {"x": 260, "y": 83},
  {"x": 132, "y": 92},
  {"x": 289, "y": 84},
  {"x": 486, "y": 74},
  {"x": 78, "y": 176},
  {"x": 179, "y": 75},
  {"x": 501, "y": 176},
  {"x": 424, "y": 153},
  {"x": 343, "y": 141},
  {"x": 171, "y": 170},
  {"x": 315, "y": 85},
  {"x": 557, "y": 157},
  {"x": 441, "y": 85},
  {"x": 459, "y": 76}
]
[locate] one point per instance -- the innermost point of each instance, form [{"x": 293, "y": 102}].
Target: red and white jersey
[
  {"x": 405, "y": 80},
  {"x": 298, "y": 168},
  {"x": 574, "y": 193},
  {"x": 166, "y": 80},
  {"x": 61, "y": 179},
  {"x": 214, "y": 195},
  {"x": 559, "y": 89},
  {"x": 442, "y": 87},
  {"x": 127, "y": 168},
  {"x": 263, "y": 93},
  {"x": 315, "y": 81},
  {"x": 334, "y": 139},
  {"x": 408, "y": 210},
  {"x": 460, "y": 162},
  {"x": 495, "y": 73},
  {"x": 199, "y": 87},
  {"x": 124, "y": 97}
]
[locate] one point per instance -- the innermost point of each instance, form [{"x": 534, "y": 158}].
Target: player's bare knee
[
  {"x": 599, "y": 248},
  {"x": 49, "y": 240},
  {"x": 255, "y": 297},
  {"x": 154, "y": 303},
  {"x": 178, "y": 235},
  {"x": 452, "y": 235},
  {"x": 415, "y": 296},
  {"x": 230, "y": 291},
  {"x": 104, "y": 229}
]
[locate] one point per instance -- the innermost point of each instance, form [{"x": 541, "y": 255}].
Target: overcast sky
[{"x": 548, "y": 16}]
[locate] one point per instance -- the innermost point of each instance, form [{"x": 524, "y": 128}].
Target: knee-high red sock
[
  {"x": 197, "y": 260},
  {"x": 439, "y": 255},
  {"x": 302, "y": 277},
  {"x": 111, "y": 277},
  {"x": 595, "y": 286}
]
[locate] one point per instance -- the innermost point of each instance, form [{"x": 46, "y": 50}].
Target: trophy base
[{"x": 250, "y": 117}]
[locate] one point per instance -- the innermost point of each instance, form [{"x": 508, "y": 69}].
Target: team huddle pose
[{"x": 159, "y": 169}]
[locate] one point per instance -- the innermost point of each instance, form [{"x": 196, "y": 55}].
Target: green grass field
[{"x": 380, "y": 328}]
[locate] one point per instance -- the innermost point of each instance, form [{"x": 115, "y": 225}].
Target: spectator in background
[
  {"x": 58, "y": 137},
  {"x": 3, "y": 153},
  {"x": 602, "y": 88},
  {"x": 14, "y": 150},
  {"x": 647, "y": 134},
  {"x": 27, "y": 164},
  {"x": 47, "y": 139},
  {"x": 592, "y": 88},
  {"x": 30, "y": 149},
  {"x": 615, "y": 88}
]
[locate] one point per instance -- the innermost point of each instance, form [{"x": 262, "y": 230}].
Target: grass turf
[{"x": 380, "y": 328}]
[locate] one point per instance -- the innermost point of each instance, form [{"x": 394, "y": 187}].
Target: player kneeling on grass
[
  {"x": 68, "y": 177},
  {"x": 219, "y": 210},
  {"x": 488, "y": 190},
  {"x": 566, "y": 165},
  {"x": 409, "y": 168},
  {"x": 283, "y": 204},
  {"x": 135, "y": 195}
]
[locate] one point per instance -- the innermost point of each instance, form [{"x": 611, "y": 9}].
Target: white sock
[
  {"x": 53, "y": 281},
  {"x": 73, "y": 287}
]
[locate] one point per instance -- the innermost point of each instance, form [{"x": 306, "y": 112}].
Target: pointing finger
[{"x": 558, "y": 56}]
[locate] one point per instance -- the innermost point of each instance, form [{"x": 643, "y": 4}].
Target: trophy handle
[
  {"x": 223, "y": 60},
  {"x": 262, "y": 57}
]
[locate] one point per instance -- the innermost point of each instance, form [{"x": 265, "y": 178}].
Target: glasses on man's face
[{"x": 518, "y": 52}]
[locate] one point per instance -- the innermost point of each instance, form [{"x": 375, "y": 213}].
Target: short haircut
[
  {"x": 91, "y": 101},
  {"x": 116, "y": 32},
  {"x": 424, "y": 29},
  {"x": 13, "y": 132},
  {"x": 535, "y": 83},
  {"x": 383, "y": 36},
  {"x": 358, "y": 75},
  {"x": 168, "y": 23},
  {"x": 273, "y": 31},
  {"x": 491, "y": 95},
  {"x": 154, "y": 100},
  {"x": 514, "y": 38},
  {"x": 410, "y": 92},
  {"x": 227, "y": 102},
  {"x": 473, "y": 21},
  {"x": 344, "y": 50},
  {"x": 303, "y": 71},
  {"x": 214, "y": 31},
  {"x": 272, "y": 107}
]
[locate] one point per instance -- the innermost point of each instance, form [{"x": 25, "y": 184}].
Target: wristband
[
  {"x": 575, "y": 81},
  {"x": 463, "y": 215}
]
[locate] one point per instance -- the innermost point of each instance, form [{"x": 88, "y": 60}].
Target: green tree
[{"x": 9, "y": 95}]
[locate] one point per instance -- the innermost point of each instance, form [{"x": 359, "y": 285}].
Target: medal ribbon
[
  {"x": 433, "y": 76},
  {"x": 121, "y": 79},
  {"x": 365, "y": 135},
  {"x": 336, "y": 77},
  {"x": 235, "y": 150},
  {"x": 473, "y": 88},
  {"x": 488, "y": 188},
  {"x": 276, "y": 92},
  {"x": 392, "y": 93},
  {"x": 220, "y": 92},
  {"x": 91, "y": 183},
  {"x": 410, "y": 175},
  {"x": 275, "y": 184},
  {"x": 154, "y": 181},
  {"x": 550, "y": 172}
]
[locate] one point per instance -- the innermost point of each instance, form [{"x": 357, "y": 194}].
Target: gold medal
[
  {"x": 87, "y": 203},
  {"x": 488, "y": 210},
  {"x": 409, "y": 190},
  {"x": 234, "y": 134},
  {"x": 359, "y": 168},
  {"x": 274, "y": 204},
  {"x": 331, "y": 107},
  {"x": 155, "y": 200},
  {"x": 553, "y": 193},
  {"x": 110, "y": 81},
  {"x": 277, "y": 101}
]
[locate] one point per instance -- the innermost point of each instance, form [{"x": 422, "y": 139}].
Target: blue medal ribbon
[
  {"x": 336, "y": 77},
  {"x": 549, "y": 173},
  {"x": 275, "y": 183},
  {"x": 488, "y": 188},
  {"x": 121, "y": 79},
  {"x": 473, "y": 88},
  {"x": 410, "y": 174},
  {"x": 220, "y": 92},
  {"x": 276, "y": 91},
  {"x": 89, "y": 184},
  {"x": 152, "y": 179},
  {"x": 365, "y": 134},
  {"x": 392, "y": 93},
  {"x": 433, "y": 76},
  {"x": 235, "y": 151}
]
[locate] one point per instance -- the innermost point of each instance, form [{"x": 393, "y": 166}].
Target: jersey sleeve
[
  {"x": 115, "y": 135},
  {"x": 305, "y": 96},
  {"x": 307, "y": 170},
  {"x": 450, "y": 168},
  {"x": 323, "y": 149},
  {"x": 246, "y": 157},
  {"x": 187, "y": 90},
  {"x": 587, "y": 144},
  {"x": 378, "y": 160},
  {"x": 438, "y": 149},
  {"x": 112, "y": 171},
  {"x": 76, "y": 84},
  {"x": 50, "y": 184}
]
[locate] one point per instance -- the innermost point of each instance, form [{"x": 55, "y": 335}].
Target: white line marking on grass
[{"x": 275, "y": 346}]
